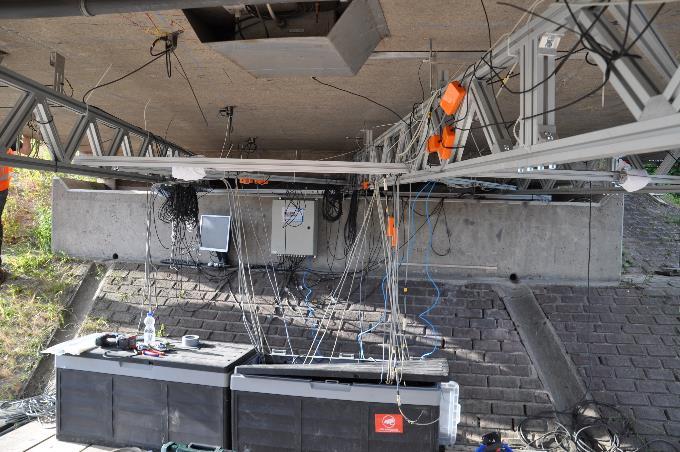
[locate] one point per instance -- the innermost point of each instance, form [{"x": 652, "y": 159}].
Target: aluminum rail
[
  {"x": 57, "y": 167},
  {"x": 653, "y": 135},
  {"x": 220, "y": 175},
  {"x": 263, "y": 165},
  {"x": 558, "y": 174},
  {"x": 28, "y": 9},
  {"x": 598, "y": 190}
]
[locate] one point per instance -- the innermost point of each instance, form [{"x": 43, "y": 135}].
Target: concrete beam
[{"x": 555, "y": 369}]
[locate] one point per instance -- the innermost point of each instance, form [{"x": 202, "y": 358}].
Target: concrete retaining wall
[{"x": 488, "y": 238}]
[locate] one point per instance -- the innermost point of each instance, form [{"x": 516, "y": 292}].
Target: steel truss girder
[
  {"x": 630, "y": 81},
  {"x": 37, "y": 101},
  {"x": 486, "y": 109}
]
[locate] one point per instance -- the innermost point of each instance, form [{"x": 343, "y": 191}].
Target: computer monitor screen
[{"x": 215, "y": 232}]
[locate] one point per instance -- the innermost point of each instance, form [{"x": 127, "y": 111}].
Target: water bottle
[{"x": 149, "y": 329}]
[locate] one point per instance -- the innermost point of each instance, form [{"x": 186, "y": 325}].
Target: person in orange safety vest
[{"x": 5, "y": 178}]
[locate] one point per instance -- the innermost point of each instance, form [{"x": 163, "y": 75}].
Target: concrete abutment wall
[{"x": 488, "y": 238}]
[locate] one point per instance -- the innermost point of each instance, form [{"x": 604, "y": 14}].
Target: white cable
[{"x": 97, "y": 85}]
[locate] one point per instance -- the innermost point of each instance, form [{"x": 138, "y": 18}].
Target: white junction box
[{"x": 294, "y": 227}]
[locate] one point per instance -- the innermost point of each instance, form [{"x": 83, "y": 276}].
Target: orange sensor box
[{"x": 452, "y": 97}]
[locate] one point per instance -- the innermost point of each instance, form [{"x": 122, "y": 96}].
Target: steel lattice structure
[{"x": 398, "y": 155}]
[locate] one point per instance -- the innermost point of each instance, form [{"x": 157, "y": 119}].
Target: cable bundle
[
  {"x": 595, "y": 427},
  {"x": 42, "y": 407},
  {"x": 180, "y": 206},
  {"x": 351, "y": 223},
  {"x": 331, "y": 206}
]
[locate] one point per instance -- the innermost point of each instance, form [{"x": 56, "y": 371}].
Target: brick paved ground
[
  {"x": 625, "y": 340},
  {"x": 499, "y": 385},
  {"x": 651, "y": 234},
  {"x": 626, "y": 343}
]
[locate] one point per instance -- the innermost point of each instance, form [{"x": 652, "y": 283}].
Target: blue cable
[{"x": 423, "y": 315}]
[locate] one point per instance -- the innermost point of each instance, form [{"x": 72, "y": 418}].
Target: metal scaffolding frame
[
  {"x": 399, "y": 153},
  {"x": 538, "y": 145}
]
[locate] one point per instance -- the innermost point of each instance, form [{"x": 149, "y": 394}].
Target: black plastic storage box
[
  {"x": 298, "y": 413},
  {"x": 145, "y": 401}
]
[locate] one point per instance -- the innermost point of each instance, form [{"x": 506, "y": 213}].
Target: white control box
[{"x": 294, "y": 227}]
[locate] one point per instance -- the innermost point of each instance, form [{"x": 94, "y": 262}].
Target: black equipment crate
[
  {"x": 145, "y": 401},
  {"x": 291, "y": 412}
]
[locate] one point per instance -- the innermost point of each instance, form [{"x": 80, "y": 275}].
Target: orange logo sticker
[{"x": 389, "y": 423}]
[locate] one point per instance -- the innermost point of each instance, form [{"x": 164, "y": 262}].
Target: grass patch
[
  {"x": 31, "y": 308},
  {"x": 672, "y": 198},
  {"x": 32, "y": 299}
]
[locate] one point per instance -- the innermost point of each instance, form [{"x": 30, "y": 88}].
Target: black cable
[
  {"x": 557, "y": 68},
  {"x": 331, "y": 204},
  {"x": 193, "y": 93},
  {"x": 625, "y": 35},
  {"x": 609, "y": 58},
  {"x": 488, "y": 24},
  {"x": 180, "y": 205},
  {"x": 588, "y": 61},
  {"x": 351, "y": 222},
  {"x": 528, "y": 11},
  {"x": 645, "y": 28},
  {"x": 168, "y": 48},
  {"x": 134, "y": 71},
  {"x": 363, "y": 97}
]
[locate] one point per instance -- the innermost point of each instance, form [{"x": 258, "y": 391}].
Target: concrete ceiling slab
[{"x": 289, "y": 116}]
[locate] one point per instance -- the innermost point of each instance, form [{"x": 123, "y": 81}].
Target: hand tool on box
[
  {"x": 148, "y": 350},
  {"x": 119, "y": 341}
]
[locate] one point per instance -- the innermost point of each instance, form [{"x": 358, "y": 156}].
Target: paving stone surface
[
  {"x": 651, "y": 234},
  {"x": 499, "y": 384},
  {"x": 625, "y": 342}
]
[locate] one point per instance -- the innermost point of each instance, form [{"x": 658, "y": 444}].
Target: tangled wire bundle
[
  {"x": 594, "y": 427},
  {"x": 180, "y": 206},
  {"x": 332, "y": 204}
]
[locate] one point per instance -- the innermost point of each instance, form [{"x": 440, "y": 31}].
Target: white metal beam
[
  {"x": 258, "y": 165},
  {"x": 640, "y": 137}
]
